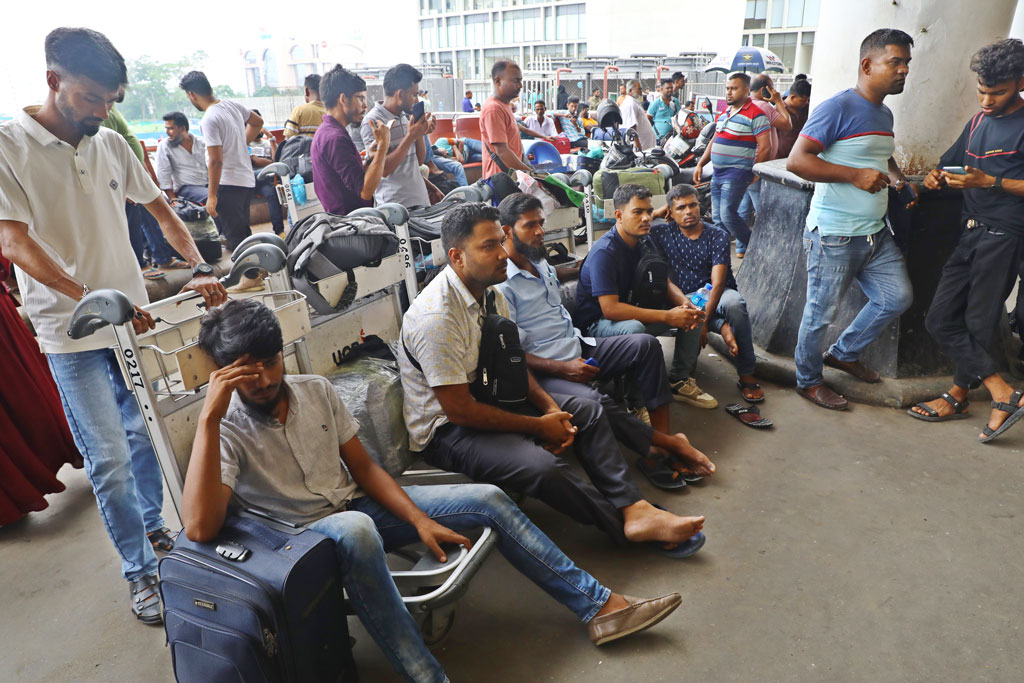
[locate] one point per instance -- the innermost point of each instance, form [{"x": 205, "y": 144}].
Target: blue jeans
[
  {"x": 726, "y": 197},
  {"x": 732, "y": 309},
  {"x": 144, "y": 230},
  {"x": 453, "y": 167},
  {"x": 684, "y": 355},
  {"x": 833, "y": 261},
  {"x": 195, "y": 193},
  {"x": 110, "y": 433},
  {"x": 751, "y": 203},
  {"x": 366, "y": 531},
  {"x": 473, "y": 150},
  {"x": 265, "y": 188}
]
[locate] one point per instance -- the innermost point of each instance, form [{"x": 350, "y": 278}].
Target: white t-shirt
[
  {"x": 73, "y": 203},
  {"x": 547, "y": 127},
  {"x": 223, "y": 125},
  {"x": 634, "y": 115}
]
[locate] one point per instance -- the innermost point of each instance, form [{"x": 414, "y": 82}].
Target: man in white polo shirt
[
  {"x": 63, "y": 185},
  {"x": 228, "y": 129}
]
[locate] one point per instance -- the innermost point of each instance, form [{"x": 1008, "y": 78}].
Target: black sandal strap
[
  {"x": 928, "y": 409},
  {"x": 958, "y": 406}
]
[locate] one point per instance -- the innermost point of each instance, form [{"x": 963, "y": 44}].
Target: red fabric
[{"x": 36, "y": 440}]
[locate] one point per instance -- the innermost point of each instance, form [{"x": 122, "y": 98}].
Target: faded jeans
[
  {"x": 751, "y": 204},
  {"x": 726, "y": 197},
  {"x": 366, "y": 531},
  {"x": 833, "y": 261},
  {"x": 732, "y": 309},
  {"x": 109, "y": 431}
]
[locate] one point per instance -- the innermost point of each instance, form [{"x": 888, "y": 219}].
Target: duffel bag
[{"x": 606, "y": 181}]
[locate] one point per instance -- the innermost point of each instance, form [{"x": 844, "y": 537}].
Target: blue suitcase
[{"x": 256, "y": 604}]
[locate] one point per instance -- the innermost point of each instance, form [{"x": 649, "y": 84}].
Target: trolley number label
[{"x": 133, "y": 368}]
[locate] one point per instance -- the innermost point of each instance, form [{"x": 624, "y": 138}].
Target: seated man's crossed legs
[
  {"x": 732, "y": 322},
  {"x": 516, "y": 462}
]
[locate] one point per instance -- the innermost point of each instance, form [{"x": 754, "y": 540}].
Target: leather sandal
[
  {"x": 146, "y": 599},
  {"x": 161, "y": 540}
]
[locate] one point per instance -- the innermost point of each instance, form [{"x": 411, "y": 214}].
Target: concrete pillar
[{"x": 940, "y": 91}]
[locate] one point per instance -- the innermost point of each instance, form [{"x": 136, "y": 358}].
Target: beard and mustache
[{"x": 531, "y": 253}]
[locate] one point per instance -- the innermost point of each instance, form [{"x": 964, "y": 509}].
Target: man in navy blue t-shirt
[
  {"x": 699, "y": 255},
  {"x": 606, "y": 281},
  {"x": 987, "y": 163}
]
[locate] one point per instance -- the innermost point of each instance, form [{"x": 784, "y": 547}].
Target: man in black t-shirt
[{"x": 987, "y": 163}]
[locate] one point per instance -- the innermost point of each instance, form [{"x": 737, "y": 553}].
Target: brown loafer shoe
[
  {"x": 639, "y": 616},
  {"x": 856, "y": 368},
  {"x": 821, "y": 395}
]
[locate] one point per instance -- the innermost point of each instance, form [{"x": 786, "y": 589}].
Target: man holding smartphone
[
  {"x": 987, "y": 163},
  {"x": 402, "y": 182}
]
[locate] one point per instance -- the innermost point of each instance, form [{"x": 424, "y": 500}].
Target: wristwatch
[
  {"x": 202, "y": 270},
  {"x": 998, "y": 184}
]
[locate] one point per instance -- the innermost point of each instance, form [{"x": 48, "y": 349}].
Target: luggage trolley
[{"x": 168, "y": 374}]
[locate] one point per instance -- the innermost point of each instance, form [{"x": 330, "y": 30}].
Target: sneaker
[
  {"x": 146, "y": 599},
  {"x": 641, "y": 414},
  {"x": 688, "y": 392}
]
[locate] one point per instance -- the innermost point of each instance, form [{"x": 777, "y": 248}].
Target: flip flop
[
  {"x": 741, "y": 385},
  {"x": 686, "y": 474},
  {"x": 153, "y": 274},
  {"x": 1016, "y": 413},
  {"x": 682, "y": 550},
  {"x": 959, "y": 410},
  {"x": 659, "y": 473},
  {"x": 750, "y": 416}
]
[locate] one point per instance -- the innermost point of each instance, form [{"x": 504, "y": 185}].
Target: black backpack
[
  {"x": 296, "y": 153},
  {"x": 502, "y": 378},
  {"x": 650, "y": 280},
  {"x": 188, "y": 211}
]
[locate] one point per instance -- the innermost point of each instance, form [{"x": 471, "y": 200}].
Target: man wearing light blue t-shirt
[{"x": 846, "y": 148}]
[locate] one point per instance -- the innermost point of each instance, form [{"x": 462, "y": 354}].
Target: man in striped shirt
[{"x": 741, "y": 140}]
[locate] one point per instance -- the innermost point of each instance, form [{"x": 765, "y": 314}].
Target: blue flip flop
[{"x": 685, "y": 549}]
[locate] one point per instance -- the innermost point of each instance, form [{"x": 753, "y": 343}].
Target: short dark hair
[
  {"x": 679, "y": 191},
  {"x": 240, "y": 327},
  {"x": 468, "y": 93},
  {"x": 177, "y": 118},
  {"x": 667, "y": 81},
  {"x": 801, "y": 88},
  {"x": 458, "y": 224},
  {"x": 739, "y": 75},
  {"x": 84, "y": 52},
  {"x": 312, "y": 83},
  {"x": 540, "y": 102},
  {"x": 800, "y": 77},
  {"x": 624, "y": 193},
  {"x": 401, "y": 77},
  {"x": 878, "y": 39},
  {"x": 759, "y": 81},
  {"x": 677, "y": 75},
  {"x": 999, "y": 62},
  {"x": 196, "y": 82},
  {"x": 572, "y": 99},
  {"x": 500, "y": 66},
  {"x": 515, "y": 205},
  {"x": 337, "y": 82}
]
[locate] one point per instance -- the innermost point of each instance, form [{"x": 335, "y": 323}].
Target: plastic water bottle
[
  {"x": 700, "y": 297},
  {"x": 298, "y": 189}
]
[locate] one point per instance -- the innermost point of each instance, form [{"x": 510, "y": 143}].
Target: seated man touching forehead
[{"x": 272, "y": 441}]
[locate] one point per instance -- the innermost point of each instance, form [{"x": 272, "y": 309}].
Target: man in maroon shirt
[{"x": 342, "y": 183}]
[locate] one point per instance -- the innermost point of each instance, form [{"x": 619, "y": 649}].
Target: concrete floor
[{"x": 859, "y": 546}]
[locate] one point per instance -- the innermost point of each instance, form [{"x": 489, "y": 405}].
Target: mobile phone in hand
[
  {"x": 955, "y": 170},
  {"x": 591, "y": 362},
  {"x": 417, "y": 110}
]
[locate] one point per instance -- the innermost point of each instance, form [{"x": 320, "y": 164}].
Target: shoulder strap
[
  {"x": 489, "y": 306},
  {"x": 495, "y": 158}
]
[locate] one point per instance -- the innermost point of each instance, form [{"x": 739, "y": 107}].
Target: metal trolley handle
[{"x": 110, "y": 307}]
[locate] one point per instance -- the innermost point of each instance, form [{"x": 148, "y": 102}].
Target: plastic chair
[
  {"x": 468, "y": 127},
  {"x": 444, "y": 128}
]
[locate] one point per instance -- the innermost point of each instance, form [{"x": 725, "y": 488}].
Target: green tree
[{"x": 153, "y": 87}]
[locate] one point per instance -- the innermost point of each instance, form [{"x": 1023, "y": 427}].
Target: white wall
[{"x": 625, "y": 27}]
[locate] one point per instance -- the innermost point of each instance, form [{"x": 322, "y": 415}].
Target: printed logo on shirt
[
  {"x": 324, "y": 427},
  {"x": 113, "y": 184}
]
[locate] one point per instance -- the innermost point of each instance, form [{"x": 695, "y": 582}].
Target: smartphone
[
  {"x": 955, "y": 170},
  {"x": 591, "y": 362},
  {"x": 766, "y": 93},
  {"x": 390, "y": 123},
  {"x": 417, "y": 110}
]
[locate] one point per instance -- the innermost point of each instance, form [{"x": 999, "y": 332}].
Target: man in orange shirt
[{"x": 498, "y": 126}]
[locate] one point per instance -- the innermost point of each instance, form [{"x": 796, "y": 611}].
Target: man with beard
[
  {"x": 402, "y": 182},
  {"x": 981, "y": 271},
  {"x": 65, "y": 248},
  {"x": 181, "y": 161},
  {"x": 272, "y": 441},
  {"x": 228, "y": 128},
  {"x": 517, "y": 450},
  {"x": 342, "y": 184},
  {"x": 566, "y": 362},
  {"x": 846, "y": 149}
]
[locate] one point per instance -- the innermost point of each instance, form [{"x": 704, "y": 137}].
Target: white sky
[{"x": 219, "y": 28}]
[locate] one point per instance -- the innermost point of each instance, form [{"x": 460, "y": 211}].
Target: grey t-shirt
[
  {"x": 293, "y": 471},
  {"x": 405, "y": 185},
  {"x": 223, "y": 125}
]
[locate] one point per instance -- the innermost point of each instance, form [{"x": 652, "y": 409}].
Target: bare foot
[
  {"x": 998, "y": 417},
  {"x": 644, "y": 522},
  {"x": 941, "y": 406},
  {"x": 685, "y": 458},
  {"x": 730, "y": 339},
  {"x": 614, "y": 604}
]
